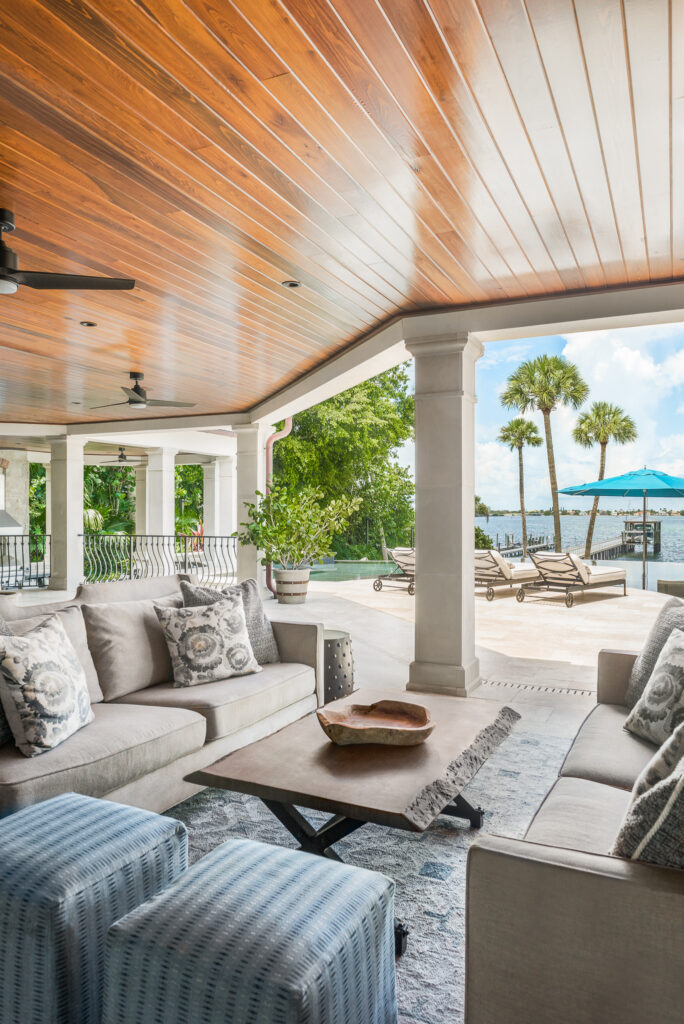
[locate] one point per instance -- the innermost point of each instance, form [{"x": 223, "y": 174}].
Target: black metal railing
[
  {"x": 118, "y": 556},
  {"x": 24, "y": 560}
]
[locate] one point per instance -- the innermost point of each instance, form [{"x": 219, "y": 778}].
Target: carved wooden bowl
[{"x": 394, "y": 723}]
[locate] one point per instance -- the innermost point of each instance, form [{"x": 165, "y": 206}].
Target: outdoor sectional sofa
[
  {"x": 148, "y": 735},
  {"x": 556, "y": 929}
]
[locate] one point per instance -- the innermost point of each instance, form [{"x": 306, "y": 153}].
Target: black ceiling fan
[
  {"x": 123, "y": 459},
  {"x": 11, "y": 277},
  {"x": 136, "y": 397}
]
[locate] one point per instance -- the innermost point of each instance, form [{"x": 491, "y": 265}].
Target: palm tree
[
  {"x": 602, "y": 423},
  {"x": 543, "y": 384},
  {"x": 516, "y": 434}
]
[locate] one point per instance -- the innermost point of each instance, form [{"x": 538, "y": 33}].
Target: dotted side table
[{"x": 338, "y": 660}]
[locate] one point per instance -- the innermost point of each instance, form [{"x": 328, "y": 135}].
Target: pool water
[{"x": 349, "y": 570}]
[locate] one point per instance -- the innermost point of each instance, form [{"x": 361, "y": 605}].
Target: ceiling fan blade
[
  {"x": 110, "y": 405},
  {"x": 36, "y": 279},
  {"x": 135, "y": 396},
  {"x": 175, "y": 405}
]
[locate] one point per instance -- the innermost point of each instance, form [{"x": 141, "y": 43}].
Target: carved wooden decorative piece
[{"x": 394, "y": 723}]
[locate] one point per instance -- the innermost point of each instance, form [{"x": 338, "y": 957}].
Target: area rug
[{"x": 429, "y": 868}]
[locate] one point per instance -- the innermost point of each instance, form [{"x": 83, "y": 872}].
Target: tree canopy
[{"x": 347, "y": 447}]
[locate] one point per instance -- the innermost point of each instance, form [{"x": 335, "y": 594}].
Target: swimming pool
[{"x": 351, "y": 570}]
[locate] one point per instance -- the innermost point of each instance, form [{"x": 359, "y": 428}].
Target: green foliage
[
  {"x": 292, "y": 528},
  {"x": 36, "y": 498},
  {"x": 482, "y": 539},
  {"x": 604, "y": 422},
  {"x": 189, "y": 498},
  {"x": 543, "y": 384},
  {"x": 520, "y": 432},
  {"x": 346, "y": 447},
  {"x": 109, "y": 499},
  {"x": 480, "y": 508}
]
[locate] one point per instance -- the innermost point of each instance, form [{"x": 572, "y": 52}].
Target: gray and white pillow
[
  {"x": 654, "y": 824},
  {"x": 209, "y": 642},
  {"x": 660, "y": 709},
  {"x": 43, "y": 687},
  {"x": 671, "y": 617},
  {"x": 5, "y": 731},
  {"x": 260, "y": 631},
  {"x": 662, "y": 764}
]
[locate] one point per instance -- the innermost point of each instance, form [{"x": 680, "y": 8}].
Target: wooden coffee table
[{"x": 401, "y": 787}]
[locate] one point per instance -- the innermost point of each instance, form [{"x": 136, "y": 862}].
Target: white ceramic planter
[{"x": 291, "y": 585}]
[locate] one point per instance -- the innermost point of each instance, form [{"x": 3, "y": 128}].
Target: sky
[{"x": 640, "y": 369}]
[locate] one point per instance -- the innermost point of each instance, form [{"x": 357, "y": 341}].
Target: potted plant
[{"x": 293, "y": 529}]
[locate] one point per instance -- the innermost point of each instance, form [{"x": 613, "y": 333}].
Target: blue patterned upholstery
[
  {"x": 69, "y": 868},
  {"x": 255, "y": 934}
]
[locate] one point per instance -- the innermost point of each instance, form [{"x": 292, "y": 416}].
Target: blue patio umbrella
[{"x": 646, "y": 483}]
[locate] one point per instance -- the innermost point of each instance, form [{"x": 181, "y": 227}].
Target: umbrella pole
[{"x": 643, "y": 550}]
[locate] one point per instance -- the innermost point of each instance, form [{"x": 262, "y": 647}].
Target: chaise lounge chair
[
  {"x": 568, "y": 573},
  {"x": 404, "y": 573},
  {"x": 492, "y": 570}
]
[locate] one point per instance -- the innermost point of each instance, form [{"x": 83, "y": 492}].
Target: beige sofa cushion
[
  {"x": 130, "y": 590},
  {"x": 71, "y": 618},
  {"x": 232, "y": 704},
  {"x": 580, "y": 815},
  {"x": 128, "y": 645},
  {"x": 122, "y": 744},
  {"x": 604, "y": 752}
]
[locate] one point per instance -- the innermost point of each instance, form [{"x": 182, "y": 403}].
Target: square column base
[{"x": 455, "y": 680}]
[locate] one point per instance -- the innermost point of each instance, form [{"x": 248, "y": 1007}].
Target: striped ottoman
[
  {"x": 69, "y": 868},
  {"x": 255, "y": 934}
]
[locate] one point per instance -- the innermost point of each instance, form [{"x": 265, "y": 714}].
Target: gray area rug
[{"x": 429, "y": 867}]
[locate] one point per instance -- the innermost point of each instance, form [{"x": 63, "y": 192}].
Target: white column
[
  {"x": 210, "y": 500},
  {"x": 66, "y": 564},
  {"x": 161, "y": 491},
  {"x": 251, "y": 477},
  {"x": 227, "y": 495},
  {"x": 141, "y": 500},
  {"x": 445, "y": 659}
]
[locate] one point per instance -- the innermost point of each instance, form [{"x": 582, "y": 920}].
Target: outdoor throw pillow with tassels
[
  {"x": 660, "y": 709},
  {"x": 43, "y": 687},
  {"x": 208, "y": 643}
]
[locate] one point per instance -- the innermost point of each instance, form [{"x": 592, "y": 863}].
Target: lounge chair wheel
[
  {"x": 377, "y": 584},
  {"x": 520, "y": 595},
  {"x": 569, "y": 600},
  {"x": 411, "y": 589},
  {"x": 490, "y": 593}
]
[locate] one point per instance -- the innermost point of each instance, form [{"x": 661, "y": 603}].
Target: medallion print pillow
[
  {"x": 209, "y": 642},
  {"x": 662, "y": 764},
  {"x": 660, "y": 708},
  {"x": 43, "y": 687}
]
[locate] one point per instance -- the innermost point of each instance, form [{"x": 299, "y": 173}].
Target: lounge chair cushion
[
  {"x": 561, "y": 568},
  {"x": 232, "y": 704},
  {"x": 604, "y": 574},
  {"x": 580, "y": 815},
  {"x": 491, "y": 565},
  {"x": 605, "y": 752}
]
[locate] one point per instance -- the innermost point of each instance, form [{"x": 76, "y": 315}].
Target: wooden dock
[{"x": 623, "y": 544}]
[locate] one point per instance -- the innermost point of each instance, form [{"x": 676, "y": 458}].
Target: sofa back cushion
[
  {"x": 130, "y": 590},
  {"x": 128, "y": 645},
  {"x": 71, "y": 618}
]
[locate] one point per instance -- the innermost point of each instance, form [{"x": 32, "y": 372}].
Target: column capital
[{"x": 445, "y": 344}]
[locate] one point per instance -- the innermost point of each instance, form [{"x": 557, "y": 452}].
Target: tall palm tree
[
  {"x": 515, "y": 435},
  {"x": 602, "y": 423},
  {"x": 543, "y": 384}
]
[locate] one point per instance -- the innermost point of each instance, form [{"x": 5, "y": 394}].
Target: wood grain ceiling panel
[{"x": 391, "y": 155}]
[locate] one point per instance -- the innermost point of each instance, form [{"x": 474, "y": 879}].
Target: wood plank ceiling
[{"x": 392, "y": 155}]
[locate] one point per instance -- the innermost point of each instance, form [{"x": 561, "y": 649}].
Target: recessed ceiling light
[
  {"x": 87, "y": 323},
  {"x": 291, "y": 284}
]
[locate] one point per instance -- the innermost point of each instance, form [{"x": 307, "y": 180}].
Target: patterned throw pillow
[
  {"x": 662, "y": 764},
  {"x": 671, "y": 617},
  {"x": 660, "y": 709},
  {"x": 208, "y": 643},
  {"x": 43, "y": 687},
  {"x": 654, "y": 824},
  {"x": 260, "y": 631}
]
